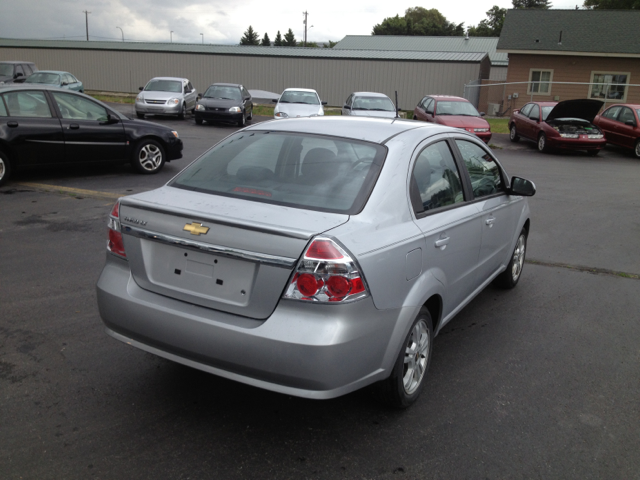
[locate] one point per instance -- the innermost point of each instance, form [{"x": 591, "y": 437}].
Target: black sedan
[
  {"x": 224, "y": 102},
  {"x": 46, "y": 125}
]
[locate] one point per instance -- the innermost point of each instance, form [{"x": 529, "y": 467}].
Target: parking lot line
[{"x": 73, "y": 191}]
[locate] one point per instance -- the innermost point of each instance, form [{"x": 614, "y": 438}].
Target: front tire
[
  {"x": 636, "y": 150},
  {"x": 513, "y": 134},
  {"x": 542, "y": 143},
  {"x": 407, "y": 379},
  {"x": 140, "y": 115},
  {"x": 148, "y": 157},
  {"x": 198, "y": 121},
  {"x": 5, "y": 168},
  {"x": 510, "y": 277},
  {"x": 242, "y": 122},
  {"x": 593, "y": 153},
  {"x": 183, "y": 112}
]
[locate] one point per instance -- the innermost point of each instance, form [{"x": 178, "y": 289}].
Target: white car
[
  {"x": 369, "y": 104},
  {"x": 298, "y": 102}
]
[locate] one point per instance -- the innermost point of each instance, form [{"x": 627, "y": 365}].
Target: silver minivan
[{"x": 166, "y": 96}]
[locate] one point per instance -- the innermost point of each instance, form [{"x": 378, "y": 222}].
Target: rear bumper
[{"x": 306, "y": 350}]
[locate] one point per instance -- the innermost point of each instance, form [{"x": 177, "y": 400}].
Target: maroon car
[
  {"x": 453, "y": 112},
  {"x": 564, "y": 125},
  {"x": 621, "y": 126}
]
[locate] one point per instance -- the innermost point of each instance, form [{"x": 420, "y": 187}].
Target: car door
[
  {"x": 449, "y": 222},
  {"x": 499, "y": 211},
  {"x": 607, "y": 123},
  {"x": 521, "y": 119},
  {"x": 190, "y": 96},
  {"x": 626, "y": 128},
  {"x": 531, "y": 125},
  {"x": 346, "y": 108},
  {"x": 248, "y": 102},
  {"x": 418, "y": 112},
  {"x": 91, "y": 133},
  {"x": 429, "y": 110},
  {"x": 31, "y": 128}
]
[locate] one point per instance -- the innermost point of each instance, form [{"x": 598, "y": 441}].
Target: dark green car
[{"x": 56, "y": 79}]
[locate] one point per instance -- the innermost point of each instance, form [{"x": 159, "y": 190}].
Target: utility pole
[
  {"x": 171, "y": 35},
  {"x": 86, "y": 16},
  {"x": 122, "y": 33},
  {"x": 305, "y": 27},
  {"x": 202, "y": 35}
]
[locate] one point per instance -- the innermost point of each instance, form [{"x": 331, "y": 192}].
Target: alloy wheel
[
  {"x": 518, "y": 258},
  {"x": 150, "y": 157},
  {"x": 416, "y": 357}
]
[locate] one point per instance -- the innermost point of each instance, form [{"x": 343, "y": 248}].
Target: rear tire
[
  {"x": 5, "y": 168},
  {"x": 513, "y": 134},
  {"x": 636, "y": 150},
  {"x": 140, "y": 115},
  {"x": 148, "y": 157},
  {"x": 407, "y": 379},
  {"x": 593, "y": 153},
  {"x": 510, "y": 277},
  {"x": 198, "y": 121}
]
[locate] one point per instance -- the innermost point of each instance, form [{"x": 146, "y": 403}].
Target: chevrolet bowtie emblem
[{"x": 195, "y": 229}]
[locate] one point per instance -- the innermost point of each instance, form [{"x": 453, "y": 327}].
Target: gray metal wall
[{"x": 334, "y": 79}]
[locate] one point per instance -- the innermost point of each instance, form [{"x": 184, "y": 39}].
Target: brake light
[
  {"x": 115, "y": 244},
  {"x": 326, "y": 273}
]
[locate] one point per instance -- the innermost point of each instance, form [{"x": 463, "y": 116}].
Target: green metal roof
[
  {"x": 426, "y": 44},
  {"x": 596, "y": 31},
  {"x": 298, "y": 52}
]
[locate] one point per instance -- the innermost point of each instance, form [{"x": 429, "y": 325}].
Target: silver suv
[{"x": 166, "y": 96}]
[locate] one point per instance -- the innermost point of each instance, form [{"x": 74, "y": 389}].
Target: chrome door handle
[
  {"x": 489, "y": 221},
  {"x": 442, "y": 242}
]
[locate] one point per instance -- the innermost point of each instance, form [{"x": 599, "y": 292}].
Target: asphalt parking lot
[{"x": 539, "y": 382}]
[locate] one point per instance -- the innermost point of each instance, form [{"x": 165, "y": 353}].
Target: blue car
[{"x": 56, "y": 79}]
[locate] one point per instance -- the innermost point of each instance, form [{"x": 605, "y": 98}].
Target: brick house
[{"x": 598, "y": 48}]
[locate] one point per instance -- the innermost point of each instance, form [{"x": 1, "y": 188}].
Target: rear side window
[
  {"x": 485, "y": 173},
  {"x": 298, "y": 170},
  {"x": 626, "y": 115},
  {"x": 436, "y": 178},
  {"x": 3, "y": 109},
  {"x": 27, "y": 104},
  {"x": 27, "y": 69}
]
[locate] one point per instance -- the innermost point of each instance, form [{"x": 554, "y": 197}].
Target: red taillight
[
  {"x": 115, "y": 243},
  {"x": 326, "y": 273},
  {"x": 323, "y": 250}
]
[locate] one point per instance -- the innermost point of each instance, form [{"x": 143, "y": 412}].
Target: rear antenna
[{"x": 397, "y": 108}]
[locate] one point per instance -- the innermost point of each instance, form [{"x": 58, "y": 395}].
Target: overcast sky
[{"x": 220, "y": 21}]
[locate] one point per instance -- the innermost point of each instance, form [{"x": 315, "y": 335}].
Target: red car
[
  {"x": 621, "y": 126},
  {"x": 564, "y": 125},
  {"x": 453, "y": 112}
]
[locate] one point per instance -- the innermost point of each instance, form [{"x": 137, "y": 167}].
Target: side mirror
[
  {"x": 631, "y": 123},
  {"x": 111, "y": 119},
  {"x": 275, "y": 100},
  {"x": 535, "y": 119},
  {"x": 64, "y": 84},
  {"x": 141, "y": 88},
  {"x": 347, "y": 107},
  {"x": 323, "y": 103},
  {"x": 199, "y": 96},
  {"x": 482, "y": 114},
  {"x": 247, "y": 98},
  {"x": 18, "y": 75},
  {"x": 521, "y": 186}
]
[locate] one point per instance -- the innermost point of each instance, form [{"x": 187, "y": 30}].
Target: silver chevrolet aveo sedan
[{"x": 315, "y": 256}]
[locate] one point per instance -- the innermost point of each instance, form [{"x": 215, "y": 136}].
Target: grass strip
[{"x": 592, "y": 270}]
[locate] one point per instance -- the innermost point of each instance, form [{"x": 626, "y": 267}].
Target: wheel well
[
  {"x": 526, "y": 226},
  {"x": 6, "y": 150},
  {"x": 434, "y": 305}
]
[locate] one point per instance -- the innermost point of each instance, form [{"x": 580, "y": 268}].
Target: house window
[
  {"x": 609, "y": 87},
  {"x": 540, "y": 82}
]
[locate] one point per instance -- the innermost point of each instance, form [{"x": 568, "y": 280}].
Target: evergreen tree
[
  {"x": 265, "y": 41},
  {"x": 491, "y": 26},
  {"x": 542, "y": 4},
  {"x": 250, "y": 37},
  {"x": 612, "y": 4},
  {"x": 278, "y": 41},
  {"x": 329, "y": 44},
  {"x": 289, "y": 39}
]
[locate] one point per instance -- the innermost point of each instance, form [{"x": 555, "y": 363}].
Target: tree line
[{"x": 251, "y": 37}]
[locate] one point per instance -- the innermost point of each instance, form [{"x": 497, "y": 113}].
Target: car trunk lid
[{"x": 222, "y": 253}]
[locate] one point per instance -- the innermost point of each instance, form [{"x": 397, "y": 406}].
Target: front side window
[
  {"x": 3, "y": 109},
  {"x": 540, "y": 82},
  {"x": 78, "y": 108},
  {"x": 44, "y": 78},
  {"x": 189, "y": 87},
  {"x": 27, "y": 69},
  {"x": 27, "y": 104},
  {"x": 484, "y": 172},
  {"x": 429, "y": 107},
  {"x": 163, "y": 86},
  {"x": 526, "y": 109},
  {"x": 436, "y": 178},
  {"x": 534, "y": 113},
  {"x": 611, "y": 113},
  {"x": 299, "y": 170},
  {"x": 609, "y": 87},
  {"x": 19, "y": 70},
  {"x": 296, "y": 96}
]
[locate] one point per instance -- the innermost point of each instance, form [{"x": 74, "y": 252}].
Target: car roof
[
  {"x": 58, "y": 72},
  {"x": 15, "y": 61},
  {"x": 545, "y": 104},
  {"x": 630, "y": 105},
  {"x": 370, "y": 94},
  {"x": 177, "y": 79},
  {"x": 449, "y": 98},
  {"x": 310, "y": 90},
  {"x": 227, "y": 84},
  {"x": 369, "y": 129}
]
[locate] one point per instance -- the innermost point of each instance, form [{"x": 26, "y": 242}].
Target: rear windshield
[
  {"x": 299, "y": 170},
  {"x": 456, "y": 108},
  {"x": 164, "y": 86},
  {"x": 307, "y": 98}
]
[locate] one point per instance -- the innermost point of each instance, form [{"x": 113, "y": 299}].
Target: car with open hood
[
  {"x": 55, "y": 78},
  {"x": 563, "y": 125},
  {"x": 621, "y": 126},
  {"x": 166, "y": 96},
  {"x": 315, "y": 256},
  {"x": 369, "y": 104},
  {"x": 224, "y": 102},
  {"x": 298, "y": 102},
  {"x": 42, "y": 126},
  {"x": 454, "y": 112}
]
